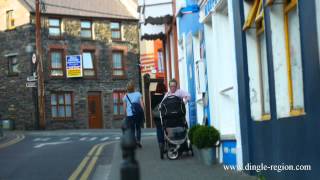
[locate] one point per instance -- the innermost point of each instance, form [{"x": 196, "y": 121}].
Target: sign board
[
  {"x": 34, "y": 58},
  {"x": 31, "y": 84},
  {"x": 31, "y": 78},
  {"x": 74, "y": 66}
]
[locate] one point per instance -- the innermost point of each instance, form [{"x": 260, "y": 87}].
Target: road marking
[
  {"x": 65, "y": 139},
  {"x": 93, "y": 138},
  {"x": 51, "y": 143},
  {"x": 104, "y": 139},
  {"x": 76, "y": 173},
  {"x": 18, "y": 138},
  {"x": 41, "y": 139},
  {"x": 117, "y": 138},
  {"x": 92, "y": 163},
  {"x": 83, "y": 138}
]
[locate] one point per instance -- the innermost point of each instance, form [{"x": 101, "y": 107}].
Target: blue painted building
[
  {"x": 278, "y": 83},
  {"x": 192, "y": 63}
]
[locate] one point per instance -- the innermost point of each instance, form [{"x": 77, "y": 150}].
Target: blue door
[{"x": 191, "y": 81}]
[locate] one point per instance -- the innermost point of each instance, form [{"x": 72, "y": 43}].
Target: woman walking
[{"x": 133, "y": 105}]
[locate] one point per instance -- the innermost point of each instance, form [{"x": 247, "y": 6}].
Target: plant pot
[
  {"x": 196, "y": 152},
  {"x": 208, "y": 156}
]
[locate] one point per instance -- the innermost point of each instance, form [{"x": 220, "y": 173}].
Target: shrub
[
  {"x": 191, "y": 132},
  {"x": 205, "y": 137}
]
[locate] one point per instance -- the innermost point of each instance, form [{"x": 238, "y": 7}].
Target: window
[
  {"x": 10, "y": 20},
  {"x": 54, "y": 27},
  {"x": 13, "y": 65},
  {"x": 160, "y": 61},
  {"x": 56, "y": 68},
  {"x": 257, "y": 62},
  {"x": 117, "y": 59},
  {"x": 118, "y": 103},
  {"x": 86, "y": 29},
  {"x": 293, "y": 56},
  {"x": 61, "y": 105},
  {"x": 88, "y": 63},
  {"x": 116, "y": 30}
]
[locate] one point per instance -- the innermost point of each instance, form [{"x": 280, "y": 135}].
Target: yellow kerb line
[
  {"x": 92, "y": 163},
  {"x": 76, "y": 173}
]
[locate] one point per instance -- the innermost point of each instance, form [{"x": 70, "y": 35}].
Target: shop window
[{"x": 257, "y": 61}]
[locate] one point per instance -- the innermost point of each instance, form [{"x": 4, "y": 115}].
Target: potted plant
[
  {"x": 206, "y": 139},
  {"x": 190, "y": 136}
]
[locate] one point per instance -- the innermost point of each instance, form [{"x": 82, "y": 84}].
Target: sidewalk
[{"x": 186, "y": 168}]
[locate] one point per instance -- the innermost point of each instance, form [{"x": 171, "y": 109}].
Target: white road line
[
  {"x": 41, "y": 139},
  {"x": 117, "y": 138},
  {"x": 83, "y": 138},
  {"x": 93, "y": 138},
  {"x": 52, "y": 143},
  {"x": 104, "y": 139},
  {"x": 65, "y": 139}
]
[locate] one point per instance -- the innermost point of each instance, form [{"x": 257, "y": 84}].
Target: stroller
[{"x": 172, "y": 114}]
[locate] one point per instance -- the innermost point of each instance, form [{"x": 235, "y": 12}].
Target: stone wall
[
  {"x": 16, "y": 102},
  {"x": 17, "y": 99}
]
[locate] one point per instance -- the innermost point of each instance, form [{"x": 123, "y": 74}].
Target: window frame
[
  {"x": 116, "y": 30},
  {"x": 63, "y": 67},
  {"x": 256, "y": 15},
  {"x": 94, "y": 64},
  {"x": 10, "y": 65},
  {"x": 59, "y": 27},
  {"x": 10, "y": 20},
  {"x": 86, "y": 29},
  {"x": 122, "y": 63},
  {"x": 119, "y": 103},
  {"x": 288, "y": 7},
  {"x": 56, "y": 94}
]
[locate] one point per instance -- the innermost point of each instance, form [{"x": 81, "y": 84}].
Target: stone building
[{"x": 104, "y": 34}]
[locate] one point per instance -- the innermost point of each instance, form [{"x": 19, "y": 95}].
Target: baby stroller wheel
[{"x": 173, "y": 153}]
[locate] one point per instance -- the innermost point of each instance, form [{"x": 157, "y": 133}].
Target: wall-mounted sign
[{"x": 74, "y": 66}]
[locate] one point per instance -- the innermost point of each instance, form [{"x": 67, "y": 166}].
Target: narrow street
[{"x": 59, "y": 155}]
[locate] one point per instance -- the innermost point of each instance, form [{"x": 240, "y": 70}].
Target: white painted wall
[
  {"x": 172, "y": 53},
  {"x": 222, "y": 74}
]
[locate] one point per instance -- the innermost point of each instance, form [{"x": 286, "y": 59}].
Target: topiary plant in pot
[{"x": 206, "y": 139}]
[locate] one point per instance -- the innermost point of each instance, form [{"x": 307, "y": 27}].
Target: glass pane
[
  {"x": 54, "y": 111},
  {"x": 54, "y": 31},
  {"x": 115, "y": 98},
  {"x": 115, "y": 34},
  {"x": 115, "y": 25},
  {"x": 85, "y": 33},
  {"x": 118, "y": 72},
  {"x": 56, "y": 73},
  {"x": 296, "y": 63},
  {"x": 85, "y": 24},
  {"x": 54, "y": 22},
  {"x": 15, "y": 68},
  {"x": 115, "y": 109},
  {"x": 61, "y": 111},
  {"x": 68, "y": 99},
  {"x": 61, "y": 99},
  {"x": 87, "y": 60},
  {"x": 56, "y": 58},
  {"x": 121, "y": 110},
  {"x": 88, "y": 73},
  {"x": 68, "y": 111},
  {"x": 264, "y": 74},
  {"x": 117, "y": 60},
  {"x": 53, "y": 100}
]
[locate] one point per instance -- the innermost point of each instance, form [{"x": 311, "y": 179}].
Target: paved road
[{"x": 59, "y": 155}]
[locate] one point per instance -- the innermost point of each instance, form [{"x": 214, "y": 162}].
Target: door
[{"x": 94, "y": 110}]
